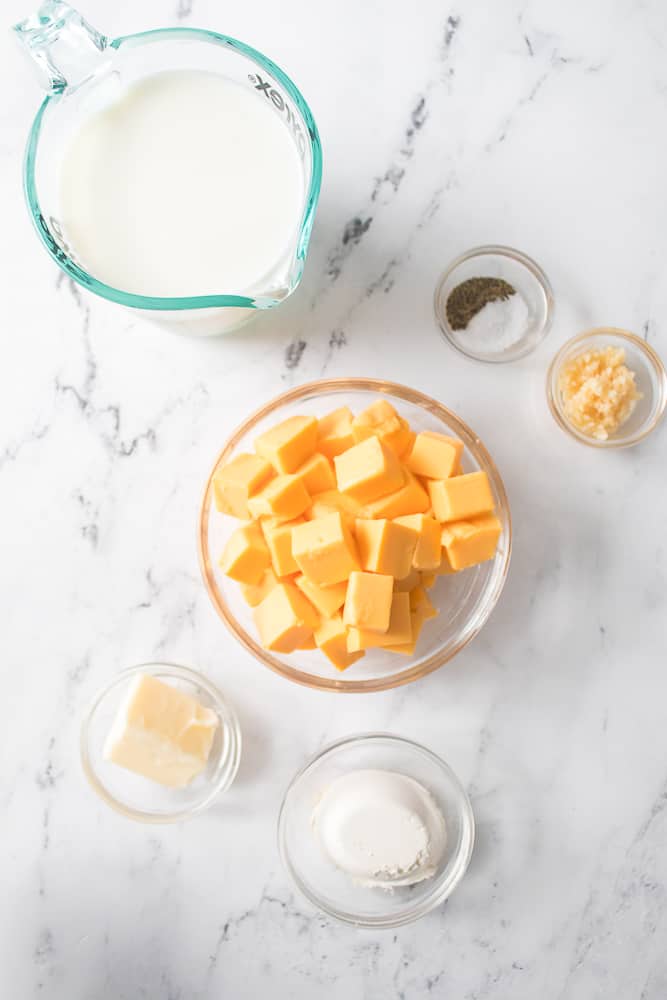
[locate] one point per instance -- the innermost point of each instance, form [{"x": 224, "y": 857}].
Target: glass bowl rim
[
  {"x": 531, "y": 265},
  {"x": 459, "y": 864},
  {"x": 231, "y": 721},
  {"x": 553, "y": 396},
  {"x": 340, "y": 685}
]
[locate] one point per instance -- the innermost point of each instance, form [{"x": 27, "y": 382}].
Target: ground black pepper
[{"x": 466, "y": 300}]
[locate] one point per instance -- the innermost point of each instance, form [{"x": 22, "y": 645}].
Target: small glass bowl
[
  {"x": 332, "y": 890},
  {"x": 137, "y": 797},
  {"x": 651, "y": 380},
  {"x": 530, "y": 282},
  {"x": 467, "y": 598}
]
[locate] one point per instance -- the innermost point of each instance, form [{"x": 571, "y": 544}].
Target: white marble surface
[{"x": 537, "y": 124}]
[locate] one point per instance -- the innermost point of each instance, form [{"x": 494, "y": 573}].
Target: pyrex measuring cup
[{"x": 83, "y": 71}]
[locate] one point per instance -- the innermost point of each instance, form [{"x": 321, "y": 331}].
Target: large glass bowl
[{"x": 465, "y": 599}]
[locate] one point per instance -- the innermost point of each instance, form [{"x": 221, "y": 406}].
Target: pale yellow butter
[{"x": 161, "y": 733}]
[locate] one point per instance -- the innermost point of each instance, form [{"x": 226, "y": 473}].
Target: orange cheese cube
[
  {"x": 278, "y": 537},
  {"x": 246, "y": 556},
  {"x": 470, "y": 542},
  {"x": 428, "y": 580},
  {"x": 398, "y": 633},
  {"x": 434, "y": 456},
  {"x": 331, "y": 638},
  {"x": 317, "y": 474},
  {"x": 403, "y": 441},
  {"x": 238, "y": 480},
  {"x": 368, "y": 470},
  {"x": 254, "y": 593},
  {"x": 445, "y": 568},
  {"x": 411, "y": 498},
  {"x": 419, "y": 601},
  {"x": 408, "y": 648},
  {"x": 334, "y": 432},
  {"x": 461, "y": 497},
  {"x": 428, "y": 551},
  {"x": 287, "y": 445},
  {"x": 285, "y": 619},
  {"x": 308, "y": 643},
  {"x": 368, "y": 601},
  {"x": 326, "y": 600},
  {"x": 382, "y": 420},
  {"x": 409, "y": 582},
  {"x": 385, "y": 546},
  {"x": 285, "y": 497},
  {"x": 332, "y": 502},
  {"x": 325, "y": 550}
]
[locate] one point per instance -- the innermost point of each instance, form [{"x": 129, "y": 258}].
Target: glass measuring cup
[{"x": 83, "y": 71}]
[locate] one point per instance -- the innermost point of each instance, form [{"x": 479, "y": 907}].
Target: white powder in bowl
[
  {"x": 497, "y": 326},
  {"x": 382, "y": 828}
]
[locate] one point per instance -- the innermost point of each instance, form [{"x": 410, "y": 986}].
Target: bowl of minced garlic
[{"x": 607, "y": 388}]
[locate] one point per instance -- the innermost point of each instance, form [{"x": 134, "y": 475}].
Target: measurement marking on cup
[{"x": 279, "y": 102}]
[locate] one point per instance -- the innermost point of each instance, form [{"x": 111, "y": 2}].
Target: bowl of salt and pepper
[{"x": 494, "y": 304}]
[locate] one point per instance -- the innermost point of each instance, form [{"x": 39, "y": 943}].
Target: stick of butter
[{"x": 161, "y": 733}]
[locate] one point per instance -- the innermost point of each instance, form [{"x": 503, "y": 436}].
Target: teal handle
[{"x": 64, "y": 48}]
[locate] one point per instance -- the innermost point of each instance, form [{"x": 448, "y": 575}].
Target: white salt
[{"x": 497, "y": 326}]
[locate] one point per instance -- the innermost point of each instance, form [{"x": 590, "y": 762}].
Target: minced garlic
[{"x": 598, "y": 391}]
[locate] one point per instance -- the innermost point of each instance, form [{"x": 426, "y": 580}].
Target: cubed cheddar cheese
[
  {"x": 382, "y": 420},
  {"x": 285, "y": 497},
  {"x": 353, "y": 519},
  {"x": 326, "y": 600},
  {"x": 467, "y": 543},
  {"x": 409, "y": 582},
  {"x": 398, "y": 633},
  {"x": 368, "y": 470},
  {"x": 434, "y": 456},
  {"x": 461, "y": 497},
  {"x": 334, "y": 432},
  {"x": 254, "y": 593},
  {"x": 237, "y": 481},
  {"x": 419, "y": 601},
  {"x": 331, "y": 639},
  {"x": 246, "y": 556},
  {"x": 317, "y": 474},
  {"x": 385, "y": 546},
  {"x": 278, "y": 537},
  {"x": 325, "y": 550},
  {"x": 332, "y": 502},
  {"x": 428, "y": 551},
  {"x": 368, "y": 601},
  {"x": 411, "y": 498},
  {"x": 285, "y": 619},
  {"x": 287, "y": 445},
  {"x": 445, "y": 568},
  {"x": 407, "y": 648}
]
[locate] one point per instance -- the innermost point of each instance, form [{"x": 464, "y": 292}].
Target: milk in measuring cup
[{"x": 188, "y": 184}]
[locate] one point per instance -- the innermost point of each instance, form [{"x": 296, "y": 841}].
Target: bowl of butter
[{"x": 160, "y": 743}]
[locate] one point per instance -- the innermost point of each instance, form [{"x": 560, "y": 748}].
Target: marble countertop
[{"x": 540, "y": 125}]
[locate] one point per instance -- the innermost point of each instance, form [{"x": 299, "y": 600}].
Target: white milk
[{"x": 189, "y": 184}]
